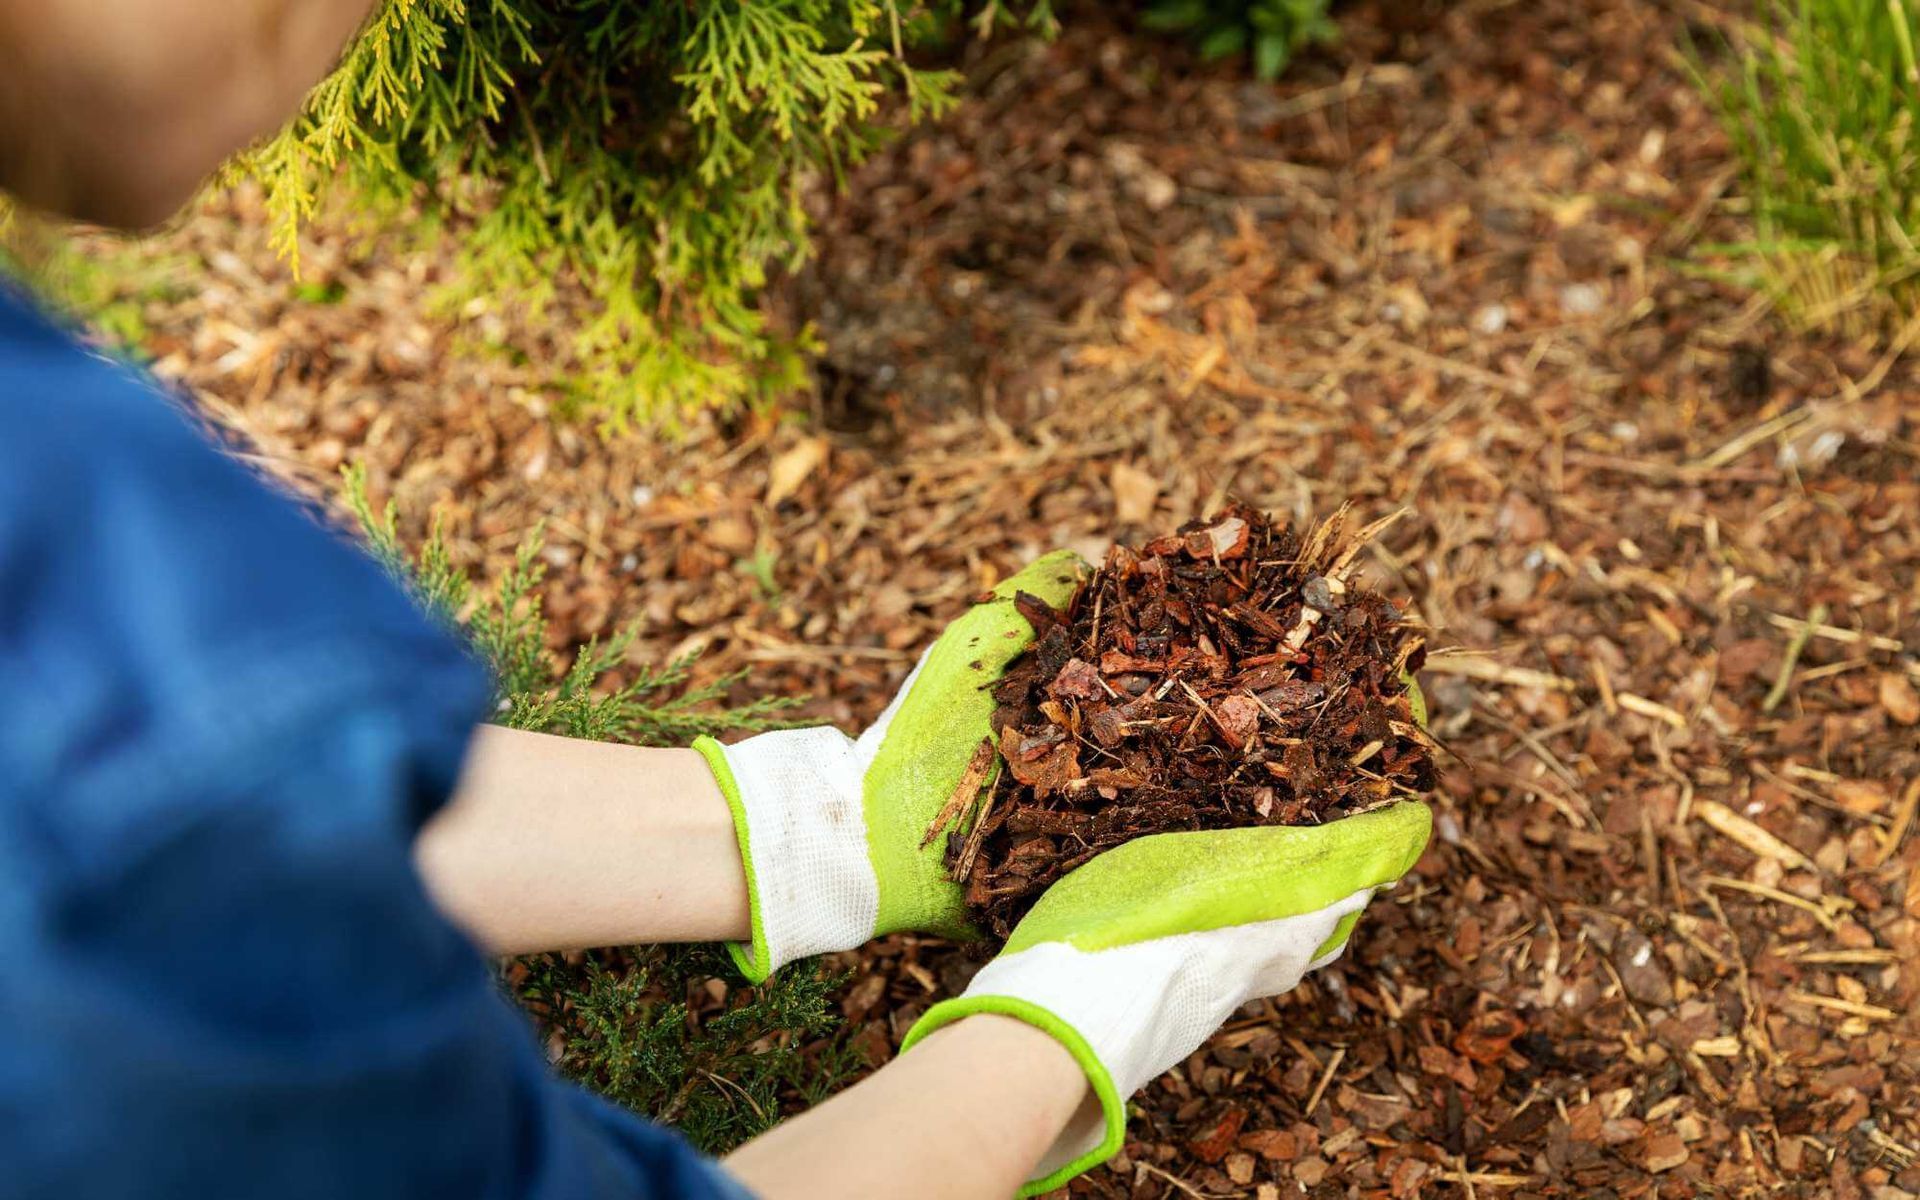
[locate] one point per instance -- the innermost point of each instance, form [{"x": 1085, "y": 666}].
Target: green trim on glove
[
  {"x": 1168, "y": 884},
  {"x": 1113, "y": 1105},
  {"x": 751, "y": 958},
  {"x": 933, "y": 735},
  {"x": 1337, "y": 940}
]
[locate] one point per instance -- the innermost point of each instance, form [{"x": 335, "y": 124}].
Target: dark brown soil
[{"x": 1229, "y": 674}]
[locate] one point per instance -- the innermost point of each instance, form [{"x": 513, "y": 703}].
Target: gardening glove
[
  {"x": 831, "y": 827},
  {"x": 1134, "y": 959}
]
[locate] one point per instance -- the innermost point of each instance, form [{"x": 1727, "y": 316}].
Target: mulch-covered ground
[{"x": 1664, "y": 942}]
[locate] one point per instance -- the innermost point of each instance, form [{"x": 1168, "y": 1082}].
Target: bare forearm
[
  {"x": 965, "y": 1115},
  {"x": 554, "y": 843}
]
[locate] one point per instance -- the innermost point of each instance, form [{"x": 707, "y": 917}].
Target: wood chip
[
  {"x": 1650, "y": 708},
  {"x": 1871, "y": 1012},
  {"x": 1472, "y": 667},
  {"x": 1860, "y": 795},
  {"x": 1748, "y": 835},
  {"x": 1135, "y": 492},
  {"x": 1902, "y": 822},
  {"x": 792, "y": 469},
  {"x": 1665, "y": 1152},
  {"x": 972, "y": 779},
  {"x": 1900, "y": 699}
]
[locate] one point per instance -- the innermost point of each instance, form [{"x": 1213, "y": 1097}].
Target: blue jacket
[{"x": 220, "y": 727}]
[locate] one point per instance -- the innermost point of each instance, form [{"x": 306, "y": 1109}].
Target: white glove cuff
[{"x": 799, "y": 816}]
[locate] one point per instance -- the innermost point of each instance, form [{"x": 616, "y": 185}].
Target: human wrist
[
  {"x": 1093, "y": 1128},
  {"x": 556, "y": 843},
  {"x": 1033, "y": 1063},
  {"x": 1043, "y": 1063}
]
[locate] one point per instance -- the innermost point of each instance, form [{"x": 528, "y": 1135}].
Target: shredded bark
[{"x": 1228, "y": 674}]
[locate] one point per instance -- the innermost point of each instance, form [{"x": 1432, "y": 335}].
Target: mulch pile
[
  {"x": 1663, "y": 942},
  {"x": 1229, "y": 674}
]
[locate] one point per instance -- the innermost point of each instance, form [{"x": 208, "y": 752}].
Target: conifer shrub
[
  {"x": 654, "y": 154},
  {"x": 631, "y": 172},
  {"x": 649, "y": 161},
  {"x": 622, "y": 1019}
]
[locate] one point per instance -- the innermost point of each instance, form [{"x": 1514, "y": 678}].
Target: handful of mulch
[{"x": 1226, "y": 675}]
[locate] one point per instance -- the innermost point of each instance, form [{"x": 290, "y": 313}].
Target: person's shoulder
[{"x": 90, "y": 443}]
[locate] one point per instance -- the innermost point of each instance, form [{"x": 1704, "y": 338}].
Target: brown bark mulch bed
[{"x": 1664, "y": 940}]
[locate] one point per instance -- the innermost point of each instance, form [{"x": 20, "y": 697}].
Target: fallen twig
[
  {"x": 1784, "y": 680},
  {"x": 1749, "y": 836},
  {"x": 1902, "y": 821},
  {"x": 1472, "y": 667}
]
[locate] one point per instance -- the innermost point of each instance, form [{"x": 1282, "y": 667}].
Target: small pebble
[
  {"x": 1318, "y": 595},
  {"x": 1581, "y": 299},
  {"x": 1490, "y": 319}
]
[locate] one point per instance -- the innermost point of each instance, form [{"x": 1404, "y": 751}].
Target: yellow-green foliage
[
  {"x": 643, "y": 163},
  {"x": 653, "y": 154}
]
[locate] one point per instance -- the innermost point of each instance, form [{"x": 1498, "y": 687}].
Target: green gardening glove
[
  {"x": 1134, "y": 959},
  {"x": 831, "y": 827}
]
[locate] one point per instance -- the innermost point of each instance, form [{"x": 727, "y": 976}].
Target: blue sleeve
[{"x": 220, "y": 727}]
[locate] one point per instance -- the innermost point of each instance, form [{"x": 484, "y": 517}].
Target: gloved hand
[
  {"x": 1134, "y": 959},
  {"x": 831, "y": 827}
]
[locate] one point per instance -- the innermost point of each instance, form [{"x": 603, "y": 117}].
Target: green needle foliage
[
  {"x": 720, "y": 1081},
  {"x": 632, "y": 171},
  {"x": 655, "y": 154},
  {"x": 624, "y": 1022},
  {"x": 1819, "y": 101},
  {"x": 1270, "y": 32}
]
